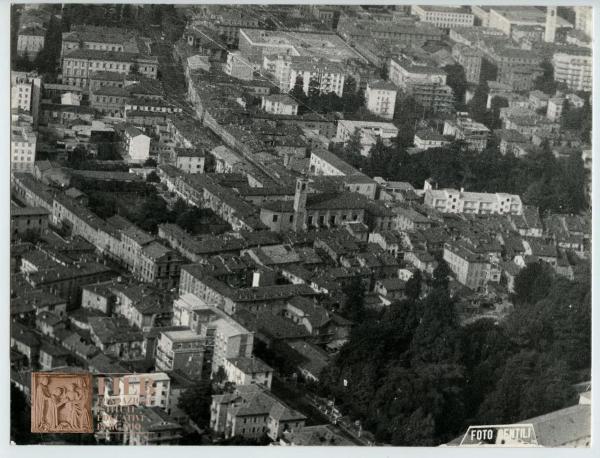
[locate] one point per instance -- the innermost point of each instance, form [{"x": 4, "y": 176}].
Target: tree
[
  {"x": 497, "y": 103},
  {"x": 485, "y": 347},
  {"x": 150, "y": 162},
  {"x": 477, "y": 105},
  {"x": 179, "y": 206},
  {"x": 413, "y": 285},
  {"x": 314, "y": 88},
  {"x": 220, "y": 375},
  {"x": 457, "y": 80},
  {"x": 532, "y": 283},
  {"x": 77, "y": 155},
  {"x": 436, "y": 338},
  {"x": 153, "y": 178},
  {"x": 519, "y": 393},
  {"x": 297, "y": 92},
  {"x": 380, "y": 161},
  {"x": 545, "y": 82},
  {"x": 440, "y": 275},
  {"x": 354, "y": 304},
  {"x": 195, "y": 402},
  {"x": 354, "y": 143}
]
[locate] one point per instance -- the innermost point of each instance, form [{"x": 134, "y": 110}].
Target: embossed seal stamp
[{"x": 61, "y": 403}]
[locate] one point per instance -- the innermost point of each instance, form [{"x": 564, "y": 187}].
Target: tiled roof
[{"x": 250, "y": 365}]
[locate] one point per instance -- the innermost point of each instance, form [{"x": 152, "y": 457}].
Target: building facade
[
  {"x": 573, "y": 69},
  {"x": 454, "y": 201},
  {"x": 380, "y": 98},
  {"x": 444, "y": 17}
]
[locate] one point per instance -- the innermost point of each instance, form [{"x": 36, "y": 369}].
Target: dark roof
[{"x": 250, "y": 365}]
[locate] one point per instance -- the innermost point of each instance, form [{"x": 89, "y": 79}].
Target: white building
[
  {"x": 238, "y": 67},
  {"x": 550, "y": 30},
  {"x": 30, "y": 42},
  {"x": 248, "y": 371},
  {"x": 369, "y": 133},
  {"x": 573, "y": 69},
  {"x": 70, "y": 98},
  {"x": 189, "y": 160},
  {"x": 584, "y": 18},
  {"x": 426, "y": 139},
  {"x": 23, "y": 140},
  {"x": 480, "y": 203},
  {"x": 279, "y": 104},
  {"x": 444, "y": 17},
  {"x": 136, "y": 145},
  {"x": 380, "y": 98},
  {"x": 329, "y": 76},
  {"x": 575, "y": 101},
  {"x": 25, "y": 91},
  {"x": 555, "y": 108}
]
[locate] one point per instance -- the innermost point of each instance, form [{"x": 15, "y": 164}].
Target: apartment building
[
  {"x": 181, "y": 350},
  {"x": 505, "y": 18},
  {"x": 150, "y": 426},
  {"x": 279, "y": 104},
  {"x": 444, "y": 17},
  {"x": 370, "y": 132},
  {"x": 471, "y": 269},
  {"x": 480, "y": 203},
  {"x": 425, "y": 139},
  {"x": 473, "y": 133},
  {"x": 189, "y": 160},
  {"x": 404, "y": 32},
  {"x": 238, "y": 67},
  {"x": 470, "y": 59},
  {"x": 23, "y": 142},
  {"x": 149, "y": 389},
  {"x": 584, "y": 19},
  {"x": 79, "y": 64},
  {"x": 425, "y": 82},
  {"x": 555, "y": 108},
  {"x": 517, "y": 68},
  {"x": 30, "y": 41},
  {"x": 158, "y": 265},
  {"x": 251, "y": 412},
  {"x": 574, "y": 69},
  {"x": 25, "y": 93},
  {"x": 28, "y": 219},
  {"x": 247, "y": 371},
  {"x": 224, "y": 337},
  {"x": 329, "y": 76},
  {"x": 109, "y": 100},
  {"x": 380, "y": 98},
  {"x": 136, "y": 145},
  {"x": 98, "y": 38}
]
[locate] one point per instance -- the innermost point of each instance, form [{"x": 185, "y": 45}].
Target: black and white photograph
[{"x": 287, "y": 225}]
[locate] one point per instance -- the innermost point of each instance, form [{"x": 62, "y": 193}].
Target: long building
[
  {"x": 444, "y": 17},
  {"x": 79, "y": 64},
  {"x": 480, "y": 203}
]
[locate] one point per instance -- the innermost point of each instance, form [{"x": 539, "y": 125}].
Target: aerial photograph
[{"x": 300, "y": 225}]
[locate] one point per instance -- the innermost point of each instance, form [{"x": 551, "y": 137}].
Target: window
[{"x": 275, "y": 217}]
